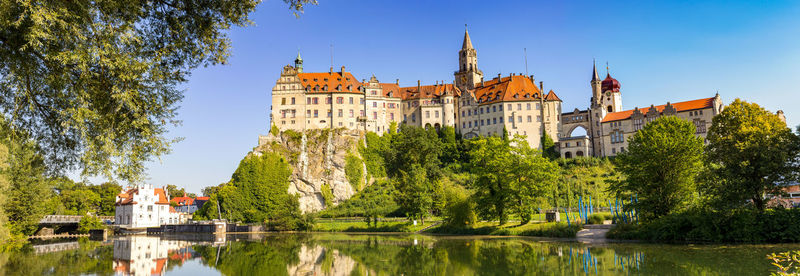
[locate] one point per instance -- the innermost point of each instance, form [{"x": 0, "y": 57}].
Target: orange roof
[
  {"x": 183, "y": 200},
  {"x": 346, "y": 83},
  {"x": 391, "y": 89},
  {"x": 202, "y": 198},
  {"x": 160, "y": 263},
  {"x": 428, "y": 91},
  {"x": 511, "y": 88},
  {"x": 127, "y": 196},
  {"x": 681, "y": 106},
  {"x": 551, "y": 96},
  {"x": 123, "y": 266}
]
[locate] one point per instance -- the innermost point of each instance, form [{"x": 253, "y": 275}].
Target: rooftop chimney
[
  {"x": 498, "y": 76},
  {"x": 397, "y": 81},
  {"x": 342, "y": 70},
  {"x": 418, "y": 87},
  {"x": 331, "y": 70}
]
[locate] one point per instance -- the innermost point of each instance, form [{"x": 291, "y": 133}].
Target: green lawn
[{"x": 361, "y": 226}]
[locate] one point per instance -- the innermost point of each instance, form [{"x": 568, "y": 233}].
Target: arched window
[
  {"x": 567, "y": 155},
  {"x": 609, "y": 108}
]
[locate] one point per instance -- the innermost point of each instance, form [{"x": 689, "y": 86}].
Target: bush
[
  {"x": 739, "y": 225},
  {"x": 89, "y": 222},
  {"x": 597, "y": 218}
]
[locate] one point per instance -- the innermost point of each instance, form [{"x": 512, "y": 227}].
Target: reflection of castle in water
[
  {"x": 317, "y": 260},
  {"x": 144, "y": 255}
]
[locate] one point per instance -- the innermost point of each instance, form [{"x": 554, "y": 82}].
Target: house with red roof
[
  {"x": 186, "y": 204},
  {"x": 144, "y": 206}
]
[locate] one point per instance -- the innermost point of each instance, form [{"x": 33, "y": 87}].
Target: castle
[{"x": 473, "y": 106}]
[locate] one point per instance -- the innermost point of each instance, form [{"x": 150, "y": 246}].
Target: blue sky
[{"x": 659, "y": 51}]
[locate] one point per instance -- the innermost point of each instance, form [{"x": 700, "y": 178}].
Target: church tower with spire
[
  {"x": 298, "y": 63},
  {"x": 468, "y": 74},
  {"x": 597, "y": 94}
]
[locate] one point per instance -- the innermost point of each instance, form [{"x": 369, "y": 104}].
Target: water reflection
[
  {"x": 342, "y": 254},
  {"x": 145, "y": 255}
]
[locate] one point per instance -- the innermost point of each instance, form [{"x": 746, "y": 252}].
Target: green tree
[
  {"x": 4, "y": 184},
  {"x": 549, "y": 149},
  {"x": 509, "y": 179},
  {"x": 755, "y": 154},
  {"x": 414, "y": 146},
  {"x": 108, "y": 195},
  {"x": 257, "y": 192},
  {"x": 29, "y": 190},
  {"x": 661, "y": 165},
  {"x": 89, "y": 222},
  {"x": 174, "y": 192},
  {"x": 97, "y": 82},
  {"x": 414, "y": 192}
]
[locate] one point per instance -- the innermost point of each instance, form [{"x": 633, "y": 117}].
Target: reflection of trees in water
[
  {"x": 90, "y": 258},
  {"x": 268, "y": 256}
]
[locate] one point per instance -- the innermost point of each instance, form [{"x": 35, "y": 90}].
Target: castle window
[
  {"x": 436, "y": 114},
  {"x": 341, "y": 113},
  {"x": 538, "y": 118},
  {"x": 352, "y": 113},
  {"x": 494, "y": 121},
  {"x": 316, "y": 113},
  {"x": 469, "y": 124},
  {"x": 375, "y": 115},
  {"x": 528, "y": 105},
  {"x": 391, "y": 116},
  {"x": 308, "y": 113},
  {"x": 637, "y": 124},
  {"x": 316, "y": 87},
  {"x": 339, "y": 87},
  {"x": 330, "y": 114},
  {"x": 609, "y": 108},
  {"x": 529, "y": 119},
  {"x": 427, "y": 114},
  {"x": 413, "y": 117},
  {"x": 351, "y": 100},
  {"x": 700, "y": 126},
  {"x": 325, "y": 88},
  {"x": 283, "y": 101},
  {"x": 308, "y": 100},
  {"x": 292, "y": 100},
  {"x": 519, "y": 119},
  {"x": 538, "y": 106},
  {"x": 374, "y": 104}
]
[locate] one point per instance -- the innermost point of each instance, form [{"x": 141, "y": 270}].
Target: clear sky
[{"x": 659, "y": 51}]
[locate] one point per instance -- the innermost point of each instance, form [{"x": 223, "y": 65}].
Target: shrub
[
  {"x": 596, "y": 218},
  {"x": 89, "y": 222},
  {"x": 697, "y": 225},
  {"x": 353, "y": 168}
]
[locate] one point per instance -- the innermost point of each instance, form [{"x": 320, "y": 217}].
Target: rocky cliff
[{"x": 319, "y": 160}]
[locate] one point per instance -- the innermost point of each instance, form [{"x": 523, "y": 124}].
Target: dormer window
[
  {"x": 349, "y": 88},
  {"x": 305, "y": 79},
  {"x": 316, "y": 87},
  {"x": 325, "y": 88},
  {"x": 315, "y": 79},
  {"x": 339, "y": 79},
  {"x": 339, "y": 87},
  {"x": 325, "y": 79}
]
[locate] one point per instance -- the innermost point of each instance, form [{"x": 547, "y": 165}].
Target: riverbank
[{"x": 532, "y": 229}]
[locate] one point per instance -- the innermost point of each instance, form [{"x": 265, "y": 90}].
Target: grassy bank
[
  {"x": 533, "y": 229},
  {"x": 336, "y": 225}
]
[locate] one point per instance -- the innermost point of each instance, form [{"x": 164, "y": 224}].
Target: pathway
[{"x": 593, "y": 233}]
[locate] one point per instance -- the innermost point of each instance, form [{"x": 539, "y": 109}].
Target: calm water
[{"x": 342, "y": 254}]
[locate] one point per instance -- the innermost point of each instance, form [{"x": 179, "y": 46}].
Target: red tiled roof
[
  {"x": 160, "y": 263},
  {"x": 127, "y": 196},
  {"x": 681, "y": 106},
  {"x": 391, "y": 89},
  {"x": 428, "y": 91},
  {"x": 551, "y": 96},
  {"x": 202, "y": 198},
  {"x": 511, "y": 88},
  {"x": 183, "y": 200},
  {"x": 348, "y": 82}
]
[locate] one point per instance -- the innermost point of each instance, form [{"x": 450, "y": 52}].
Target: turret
[{"x": 298, "y": 63}]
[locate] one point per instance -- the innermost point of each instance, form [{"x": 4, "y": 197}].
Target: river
[{"x": 363, "y": 254}]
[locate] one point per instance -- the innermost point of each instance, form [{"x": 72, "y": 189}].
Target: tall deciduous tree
[
  {"x": 95, "y": 82},
  {"x": 510, "y": 177},
  {"x": 755, "y": 153},
  {"x": 414, "y": 192},
  {"x": 661, "y": 165},
  {"x": 549, "y": 147}
]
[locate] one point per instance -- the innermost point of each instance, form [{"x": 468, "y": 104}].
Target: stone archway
[
  {"x": 579, "y": 153},
  {"x": 567, "y": 155}
]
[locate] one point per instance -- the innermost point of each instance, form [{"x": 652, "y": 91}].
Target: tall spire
[
  {"x": 467, "y": 42},
  {"x": 595, "y": 77}
]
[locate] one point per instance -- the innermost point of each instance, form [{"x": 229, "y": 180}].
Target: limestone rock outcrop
[{"x": 318, "y": 159}]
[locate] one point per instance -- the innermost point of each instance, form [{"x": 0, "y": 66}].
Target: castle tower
[
  {"x": 612, "y": 98},
  {"x": 468, "y": 74},
  {"x": 597, "y": 95},
  {"x": 298, "y": 63}
]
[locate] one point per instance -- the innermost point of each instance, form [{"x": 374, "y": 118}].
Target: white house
[{"x": 144, "y": 206}]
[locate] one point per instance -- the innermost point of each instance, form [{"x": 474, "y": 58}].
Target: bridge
[{"x": 64, "y": 219}]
